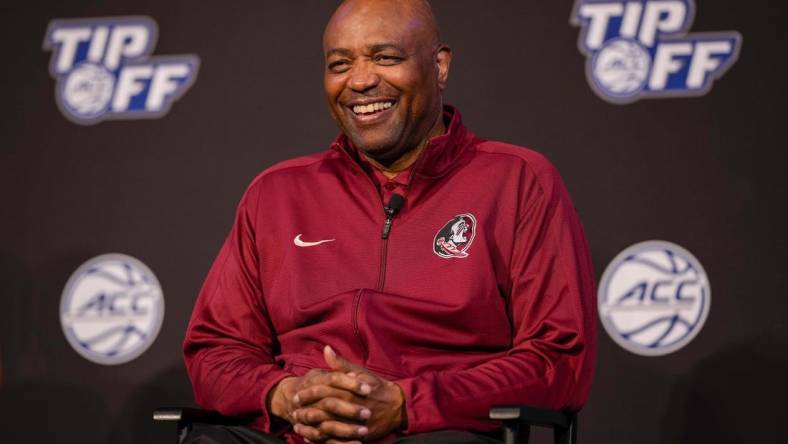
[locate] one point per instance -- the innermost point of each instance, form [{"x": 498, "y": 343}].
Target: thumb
[{"x": 337, "y": 363}]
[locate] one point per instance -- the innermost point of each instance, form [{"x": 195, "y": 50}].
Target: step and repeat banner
[{"x": 131, "y": 129}]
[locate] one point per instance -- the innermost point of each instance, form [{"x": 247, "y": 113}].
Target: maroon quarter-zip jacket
[{"x": 481, "y": 294}]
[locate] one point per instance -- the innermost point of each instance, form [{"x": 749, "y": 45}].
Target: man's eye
[
  {"x": 339, "y": 66},
  {"x": 387, "y": 59}
]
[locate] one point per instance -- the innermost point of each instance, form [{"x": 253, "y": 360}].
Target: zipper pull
[
  {"x": 394, "y": 205},
  {"x": 387, "y": 225}
]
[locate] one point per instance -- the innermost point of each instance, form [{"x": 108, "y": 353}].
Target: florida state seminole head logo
[{"x": 454, "y": 239}]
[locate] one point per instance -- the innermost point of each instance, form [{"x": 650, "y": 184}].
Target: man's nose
[{"x": 363, "y": 77}]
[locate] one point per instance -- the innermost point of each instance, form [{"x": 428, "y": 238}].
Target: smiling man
[
  {"x": 400, "y": 284},
  {"x": 385, "y": 70}
]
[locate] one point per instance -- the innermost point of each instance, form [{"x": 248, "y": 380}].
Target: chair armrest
[
  {"x": 525, "y": 414},
  {"x": 518, "y": 419},
  {"x": 189, "y": 415},
  {"x": 184, "y": 417}
]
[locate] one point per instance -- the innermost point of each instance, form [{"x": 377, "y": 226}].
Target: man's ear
[{"x": 443, "y": 63}]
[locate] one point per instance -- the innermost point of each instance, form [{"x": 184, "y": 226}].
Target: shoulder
[
  {"x": 284, "y": 175},
  {"x": 292, "y": 168},
  {"x": 532, "y": 163},
  {"x": 530, "y": 173}
]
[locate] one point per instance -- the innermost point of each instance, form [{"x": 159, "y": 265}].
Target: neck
[
  {"x": 399, "y": 165},
  {"x": 410, "y": 157}
]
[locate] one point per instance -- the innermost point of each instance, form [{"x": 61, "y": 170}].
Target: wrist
[
  {"x": 278, "y": 398},
  {"x": 402, "y": 412}
]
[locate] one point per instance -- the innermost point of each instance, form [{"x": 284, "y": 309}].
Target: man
[{"x": 403, "y": 282}]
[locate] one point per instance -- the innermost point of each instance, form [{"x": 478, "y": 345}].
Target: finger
[
  {"x": 314, "y": 372},
  {"x": 314, "y": 416},
  {"x": 310, "y": 416},
  {"x": 335, "y": 407},
  {"x": 347, "y": 382},
  {"x": 312, "y": 431},
  {"x": 309, "y": 433},
  {"x": 335, "y": 362},
  {"x": 343, "y": 409},
  {"x": 311, "y": 375},
  {"x": 337, "y": 429},
  {"x": 315, "y": 393},
  {"x": 352, "y": 383},
  {"x": 340, "y": 364}
]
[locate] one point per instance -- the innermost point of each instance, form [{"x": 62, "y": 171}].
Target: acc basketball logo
[
  {"x": 111, "y": 309},
  {"x": 654, "y": 298},
  {"x": 640, "y": 49},
  {"x": 454, "y": 239},
  {"x": 103, "y": 69}
]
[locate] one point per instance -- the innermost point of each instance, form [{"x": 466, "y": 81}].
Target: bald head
[
  {"x": 417, "y": 12},
  {"x": 385, "y": 73}
]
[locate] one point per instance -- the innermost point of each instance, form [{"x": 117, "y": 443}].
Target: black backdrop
[{"x": 707, "y": 173}]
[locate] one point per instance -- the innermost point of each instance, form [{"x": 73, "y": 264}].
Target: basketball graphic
[
  {"x": 88, "y": 90},
  {"x": 111, "y": 309},
  {"x": 621, "y": 67},
  {"x": 654, "y": 298}
]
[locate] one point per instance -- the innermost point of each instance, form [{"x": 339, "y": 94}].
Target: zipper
[
  {"x": 389, "y": 213},
  {"x": 385, "y": 247},
  {"x": 387, "y": 224},
  {"x": 387, "y": 221}
]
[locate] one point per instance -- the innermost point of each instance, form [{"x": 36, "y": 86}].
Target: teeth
[{"x": 372, "y": 107}]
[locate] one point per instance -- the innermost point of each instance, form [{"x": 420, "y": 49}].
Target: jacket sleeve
[
  {"x": 230, "y": 339},
  {"x": 550, "y": 363}
]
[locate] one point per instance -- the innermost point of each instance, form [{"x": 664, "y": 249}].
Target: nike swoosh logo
[{"x": 300, "y": 243}]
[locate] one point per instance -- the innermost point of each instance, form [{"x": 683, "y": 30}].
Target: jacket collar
[{"x": 441, "y": 152}]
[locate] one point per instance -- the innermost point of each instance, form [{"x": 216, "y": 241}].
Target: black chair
[
  {"x": 184, "y": 417},
  {"x": 517, "y": 421}
]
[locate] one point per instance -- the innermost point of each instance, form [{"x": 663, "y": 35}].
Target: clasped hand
[{"x": 345, "y": 405}]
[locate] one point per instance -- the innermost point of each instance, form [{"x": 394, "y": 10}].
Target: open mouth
[{"x": 371, "y": 109}]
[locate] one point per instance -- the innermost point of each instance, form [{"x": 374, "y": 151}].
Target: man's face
[{"x": 383, "y": 79}]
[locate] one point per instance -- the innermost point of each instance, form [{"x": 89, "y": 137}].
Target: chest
[{"x": 450, "y": 245}]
